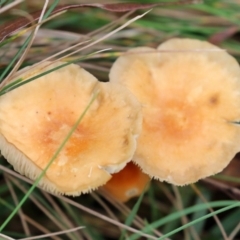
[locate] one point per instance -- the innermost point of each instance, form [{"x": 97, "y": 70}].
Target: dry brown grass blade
[
  {"x": 234, "y": 232},
  {"x": 4, "y": 237},
  {"x": 218, "y": 222},
  {"x": 138, "y": 221},
  {"x": 24, "y": 54},
  {"x": 77, "y": 205},
  {"x": 16, "y": 202},
  {"x": 40, "y": 227},
  {"x": 13, "y": 26},
  {"x": 220, "y": 37},
  {"x": 86, "y": 46},
  {"x": 105, "y": 218},
  {"x": 28, "y": 219},
  {"x": 10, "y": 5},
  {"x": 53, "y": 234},
  {"x": 233, "y": 192},
  {"x": 40, "y": 206},
  {"x": 62, "y": 214},
  {"x": 184, "y": 218}
]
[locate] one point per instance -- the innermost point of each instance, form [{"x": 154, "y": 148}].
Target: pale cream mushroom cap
[
  {"x": 190, "y": 95},
  {"x": 36, "y": 118}
]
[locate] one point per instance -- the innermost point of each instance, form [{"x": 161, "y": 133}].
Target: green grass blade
[
  {"x": 200, "y": 219},
  {"x": 5, "y": 88},
  {"x": 227, "y": 178},
  {"x": 20, "y": 51},
  {"x": 2, "y": 2},
  {"x": 132, "y": 215},
  {"x": 17, "y": 83},
  {"x": 49, "y": 11},
  {"x": 186, "y": 211}
]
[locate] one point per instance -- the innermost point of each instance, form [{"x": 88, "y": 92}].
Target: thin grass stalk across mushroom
[{"x": 36, "y": 117}]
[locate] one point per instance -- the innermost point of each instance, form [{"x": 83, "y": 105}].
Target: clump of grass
[{"x": 164, "y": 211}]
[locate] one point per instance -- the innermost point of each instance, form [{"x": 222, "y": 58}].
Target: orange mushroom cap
[
  {"x": 190, "y": 95},
  {"x": 128, "y": 183},
  {"x": 36, "y": 118}
]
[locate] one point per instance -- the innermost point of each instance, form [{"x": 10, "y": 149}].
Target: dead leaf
[
  {"x": 13, "y": 26},
  {"x": 219, "y": 37}
]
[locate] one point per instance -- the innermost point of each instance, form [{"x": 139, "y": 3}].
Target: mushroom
[
  {"x": 190, "y": 95},
  {"x": 128, "y": 183},
  {"x": 36, "y": 117}
]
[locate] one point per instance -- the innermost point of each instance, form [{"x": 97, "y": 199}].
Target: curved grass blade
[
  {"x": 19, "y": 82},
  {"x": 237, "y": 204},
  {"x": 11, "y": 27},
  {"x": 53, "y": 234},
  {"x": 132, "y": 214},
  {"x": 20, "y": 51},
  {"x": 193, "y": 209}
]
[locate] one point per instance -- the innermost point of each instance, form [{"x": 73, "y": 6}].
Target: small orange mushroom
[
  {"x": 36, "y": 117},
  {"x": 190, "y": 95},
  {"x": 128, "y": 183}
]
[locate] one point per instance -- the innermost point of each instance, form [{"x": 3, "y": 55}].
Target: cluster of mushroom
[{"x": 174, "y": 111}]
